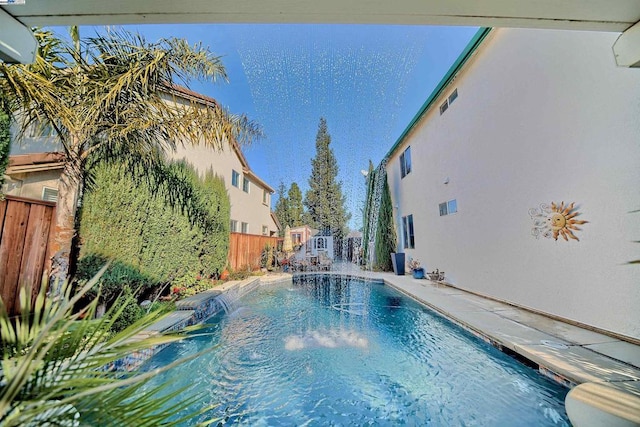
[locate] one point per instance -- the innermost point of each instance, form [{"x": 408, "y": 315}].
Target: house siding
[
  {"x": 245, "y": 207},
  {"x": 541, "y": 116}
]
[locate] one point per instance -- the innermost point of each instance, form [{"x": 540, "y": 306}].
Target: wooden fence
[
  {"x": 25, "y": 230},
  {"x": 245, "y": 250}
]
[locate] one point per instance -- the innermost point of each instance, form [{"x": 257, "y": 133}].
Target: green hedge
[{"x": 127, "y": 219}]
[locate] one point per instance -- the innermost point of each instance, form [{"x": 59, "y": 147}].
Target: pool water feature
[{"x": 332, "y": 350}]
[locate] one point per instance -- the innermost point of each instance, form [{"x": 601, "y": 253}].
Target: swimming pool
[{"x": 332, "y": 350}]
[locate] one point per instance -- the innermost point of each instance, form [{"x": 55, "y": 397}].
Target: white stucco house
[{"x": 520, "y": 174}]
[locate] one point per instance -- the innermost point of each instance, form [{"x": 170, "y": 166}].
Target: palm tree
[
  {"x": 53, "y": 367},
  {"x": 110, "y": 98}
]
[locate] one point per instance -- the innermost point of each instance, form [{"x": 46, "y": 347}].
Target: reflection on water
[{"x": 294, "y": 358}]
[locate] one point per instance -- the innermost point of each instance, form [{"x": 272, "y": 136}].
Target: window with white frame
[
  {"x": 245, "y": 228},
  {"x": 50, "y": 194},
  {"x": 448, "y": 208},
  {"x": 235, "y": 178},
  {"x": 453, "y": 96},
  {"x": 407, "y": 232},
  {"x": 265, "y": 230},
  {"x": 245, "y": 184},
  {"x": 447, "y": 102},
  {"x": 296, "y": 238},
  {"x": 234, "y": 226},
  {"x": 405, "y": 162},
  {"x": 265, "y": 197}
]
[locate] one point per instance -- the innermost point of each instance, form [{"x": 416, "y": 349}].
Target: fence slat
[
  {"x": 35, "y": 248},
  {"x": 245, "y": 250},
  {"x": 11, "y": 246},
  {"x": 25, "y": 228}
]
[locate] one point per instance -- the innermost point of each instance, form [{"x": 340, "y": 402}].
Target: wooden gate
[
  {"x": 245, "y": 250},
  {"x": 25, "y": 228}
]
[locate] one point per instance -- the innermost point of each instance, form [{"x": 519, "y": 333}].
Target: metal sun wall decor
[{"x": 555, "y": 221}]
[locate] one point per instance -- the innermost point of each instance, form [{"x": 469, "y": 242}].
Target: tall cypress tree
[
  {"x": 386, "y": 238},
  {"x": 324, "y": 200},
  {"x": 296, "y": 209},
  {"x": 282, "y": 208}
]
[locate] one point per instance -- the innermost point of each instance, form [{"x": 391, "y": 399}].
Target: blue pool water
[{"x": 340, "y": 351}]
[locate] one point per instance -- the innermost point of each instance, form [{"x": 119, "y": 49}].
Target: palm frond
[{"x": 54, "y": 366}]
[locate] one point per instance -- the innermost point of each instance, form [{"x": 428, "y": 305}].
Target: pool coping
[{"x": 601, "y": 371}]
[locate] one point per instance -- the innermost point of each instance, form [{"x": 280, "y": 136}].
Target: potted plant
[
  {"x": 416, "y": 270},
  {"x": 436, "y": 276}
]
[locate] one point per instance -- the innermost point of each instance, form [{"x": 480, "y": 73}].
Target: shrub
[{"x": 126, "y": 219}]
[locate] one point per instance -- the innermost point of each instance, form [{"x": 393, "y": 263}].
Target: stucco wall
[
  {"x": 541, "y": 117},
  {"x": 245, "y": 207},
  {"x": 32, "y": 184}
]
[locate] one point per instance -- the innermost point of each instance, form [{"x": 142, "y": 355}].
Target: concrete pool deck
[{"x": 606, "y": 369}]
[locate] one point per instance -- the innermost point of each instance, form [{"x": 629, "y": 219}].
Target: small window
[
  {"x": 245, "y": 184},
  {"x": 265, "y": 197},
  {"x": 448, "y": 208},
  {"x": 453, "y": 96},
  {"x": 235, "y": 178},
  {"x": 50, "y": 194},
  {"x": 407, "y": 232},
  {"x": 234, "y": 226},
  {"x": 39, "y": 129},
  {"x": 245, "y": 227},
  {"x": 296, "y": 238},
  {"x": 444, "y": 107},
  {"x": 452, "y": 206},
  {"x": 405, "y": 162},
  {"x": 265, "y": 230},
  {"x": 443, "y": 209}
]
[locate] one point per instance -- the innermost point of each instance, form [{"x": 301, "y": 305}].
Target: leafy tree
[
  {"x": 282, "y": 208},
  {"x": 110, "y": 98},
  {"x": 324, "y": 200},
  {"x": 296, "y": 208}
]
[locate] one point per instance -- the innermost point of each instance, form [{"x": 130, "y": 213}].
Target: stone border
[{"x": 189, "y": 311}]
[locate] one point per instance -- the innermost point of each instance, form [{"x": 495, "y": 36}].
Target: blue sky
[{"x": 368, "y": 81}]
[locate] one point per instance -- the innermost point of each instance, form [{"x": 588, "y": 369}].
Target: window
[
  {"x": 452, "y": 206},
  {"x": 50, "y": 194},
  {"x": 265, "y": 230},
  {"x": 245, "y": 184},
  {"x": 444, "y": 107},
  {"x": 245, "y": 228},
  {"x": 235, "y": 177},
  {"x": 39, "y": 129},
  {"x": 265, "y": 197},
  {"x": 443, "y": 209},
  {"x": 405, "y": 162},
  {"x": 234, "y": 226},
  {"x": 448, "y": 208},
  {"x": 407, "y": 232},
  {"x": 453, "y": 96},
  {"x": 296, "y": 238}
]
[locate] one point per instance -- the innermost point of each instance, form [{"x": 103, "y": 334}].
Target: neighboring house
[
  {"x": 250, "y": 196},
  {"x": 300, "y": 235},
  {"x": 524, "y": 119},
  {"x": 34, "y": 176},
  {"x": 34, "y": 173}
]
